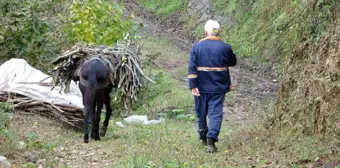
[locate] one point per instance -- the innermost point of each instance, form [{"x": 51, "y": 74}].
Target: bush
[
  {"x": 25, "y": 32},
  {"x": 38, "y": 30},
  {"x": 5, "y": 114},
  {"x": 98, "y": 22}
]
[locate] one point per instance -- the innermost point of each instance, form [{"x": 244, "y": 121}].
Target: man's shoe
[
  {"x": 204, "y": 141},
  {"x": 211, "y": 146}
]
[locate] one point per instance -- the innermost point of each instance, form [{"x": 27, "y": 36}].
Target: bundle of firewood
[
  {"x": 126, "y": 72},
  {"x": 70, "y": 116}
]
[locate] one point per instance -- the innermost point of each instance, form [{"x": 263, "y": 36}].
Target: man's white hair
[{"x": 212, "y": 27}]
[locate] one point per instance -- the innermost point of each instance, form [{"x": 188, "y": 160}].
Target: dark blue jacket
[{"x": 208, "y": 66}]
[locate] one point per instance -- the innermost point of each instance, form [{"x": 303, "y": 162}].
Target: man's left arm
[{"x": 231, "y": 57}]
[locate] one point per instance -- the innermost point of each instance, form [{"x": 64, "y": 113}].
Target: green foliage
[
  {"x": 25, "y": 32},
  {"x": 162, "y": 6},
  {"x": 98, "y": 22},
  {"x": 37, "y": 30}
]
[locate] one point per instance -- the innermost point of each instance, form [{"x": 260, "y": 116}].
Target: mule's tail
[{"x": 91, "y": 93}]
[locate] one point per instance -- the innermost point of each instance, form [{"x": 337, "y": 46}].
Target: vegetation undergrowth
[
  {"x": 163, "y": 6},
  {"x": 27, "y": 31},
  {"x": 269, "y": 30},
  {"x": 5, "y": 137},
  {"x": 26, "y": 141}
]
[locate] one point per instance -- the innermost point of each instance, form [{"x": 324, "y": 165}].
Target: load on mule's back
[
  {"x": 95, "y": 86},
  {"x": 99, "y": 69}
]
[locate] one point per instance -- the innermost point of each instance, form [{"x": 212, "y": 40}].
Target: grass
[
  {"x": 171, "y": 144},
  {"x": 35, "y": 137}
]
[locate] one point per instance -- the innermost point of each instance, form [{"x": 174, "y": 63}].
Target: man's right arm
[{"x": 192, "y": 71}]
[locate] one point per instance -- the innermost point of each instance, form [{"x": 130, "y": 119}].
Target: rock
[
  {"x": 205, "y": 10},
  {"x": 119, "y": 124},
  {"x": 90, "y": 154},
  {"x": 4, "y": 162},
  {"x": 30, "y": 157},
  {"x": 41, "y": 163},
  {"x": 22, "y": 145},
  {"x": 204, "y": 17}
]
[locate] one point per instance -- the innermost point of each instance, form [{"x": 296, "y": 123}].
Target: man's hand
[{"x": 195, "y": 92}]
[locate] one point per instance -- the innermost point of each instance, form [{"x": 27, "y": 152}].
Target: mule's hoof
[
  {"x": 86, "y": 138},
  {"x": 97, "y": 139},
  {"x": 103, "y": 132}
]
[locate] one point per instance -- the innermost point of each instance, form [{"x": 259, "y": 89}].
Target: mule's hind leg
[
  {"x": 92, "y": 120},
  {"x": 96, "y": 121},
  {"x": 107, "y": 102},
  {"x": 86, "y": 115},
  {"x": 86, "y": 126}
]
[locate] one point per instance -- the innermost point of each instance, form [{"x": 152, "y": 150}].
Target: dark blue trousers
[{"x": 211, "y": 105}]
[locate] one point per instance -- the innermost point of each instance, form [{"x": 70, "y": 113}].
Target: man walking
[{"x": 209, "y": 81}]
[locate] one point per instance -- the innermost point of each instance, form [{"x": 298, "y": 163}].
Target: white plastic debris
[
  {"x": 142, "y": 119},
  {"x": 17, "y": 76},
  {"x": 4, "y": 163},
  {"x": 120, "y": 124},
  {"x": 156, "y": 121}
]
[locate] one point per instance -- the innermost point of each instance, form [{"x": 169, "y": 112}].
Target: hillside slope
[{"x": 309, "y": 96}]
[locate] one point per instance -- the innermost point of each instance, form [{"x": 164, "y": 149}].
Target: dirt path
[{"x": 253, "y": 85}]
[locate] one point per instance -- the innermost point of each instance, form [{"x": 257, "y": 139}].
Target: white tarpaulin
[{"x": 15, "y": 71}]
